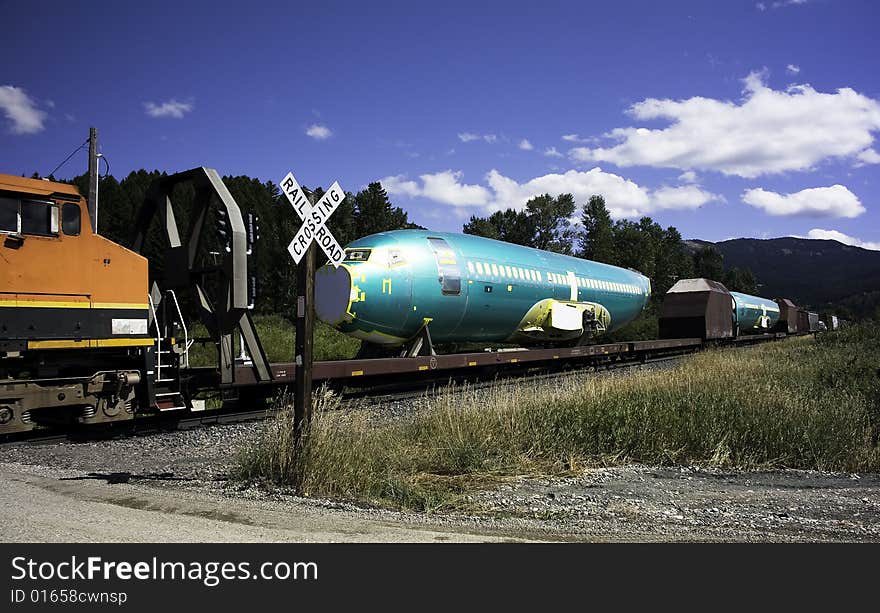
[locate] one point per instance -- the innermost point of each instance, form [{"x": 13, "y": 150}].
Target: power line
[{"x": 86, "y": 142}]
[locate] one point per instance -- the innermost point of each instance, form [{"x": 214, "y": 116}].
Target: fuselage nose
[{"x": 333, "y": 288}]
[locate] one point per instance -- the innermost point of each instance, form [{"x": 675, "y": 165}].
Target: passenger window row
[{"x": 487, "y": 269}]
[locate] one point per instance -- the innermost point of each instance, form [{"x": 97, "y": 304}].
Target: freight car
[
  {"x": 394, "y": 287},
  {"x": 706, "y": 309},
  {"x": 831, "y": 321}
]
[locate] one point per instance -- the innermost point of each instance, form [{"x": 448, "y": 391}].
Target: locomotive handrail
[
  {"x": 158, "y": 339},
  {"x": 186, "y": 343}
]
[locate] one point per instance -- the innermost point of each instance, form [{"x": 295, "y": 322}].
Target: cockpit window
[{"x": 357, "y": 255}]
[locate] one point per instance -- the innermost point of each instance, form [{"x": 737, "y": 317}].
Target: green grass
[
  {"x": 277, "y": 336},
  {"x": 801, "y": 403}
]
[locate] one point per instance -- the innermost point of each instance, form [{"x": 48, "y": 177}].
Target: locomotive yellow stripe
[
  {"x": 120, "y": 305},
  {"x": 45, "y": 304},
  {"x": 58, "y": 304},
  {"x": 91, "y": 343}
]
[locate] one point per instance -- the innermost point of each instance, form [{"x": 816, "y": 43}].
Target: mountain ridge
[{"x": 816, "y": 273}]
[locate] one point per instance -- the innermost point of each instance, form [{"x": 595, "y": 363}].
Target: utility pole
[
  {"x": 93, "y": 178},
  {"x": 304, "y": 347}
]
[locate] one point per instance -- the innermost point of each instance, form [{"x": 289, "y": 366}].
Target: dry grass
[{"x": 800, "y": 403}]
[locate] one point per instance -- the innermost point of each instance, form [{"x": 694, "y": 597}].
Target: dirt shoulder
[{"x": 173, "y": 487}]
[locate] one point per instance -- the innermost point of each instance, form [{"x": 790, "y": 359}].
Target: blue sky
[{"x": 723, "y": 118}]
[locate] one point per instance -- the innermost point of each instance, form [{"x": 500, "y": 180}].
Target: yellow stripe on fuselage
[{"x": 91, "y": 343}]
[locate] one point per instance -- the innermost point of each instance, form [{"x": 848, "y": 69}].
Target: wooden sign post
[{"x": 314, "y": 216}]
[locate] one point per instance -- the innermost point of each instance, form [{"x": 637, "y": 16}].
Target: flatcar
[{"x": 459, "y": 287}]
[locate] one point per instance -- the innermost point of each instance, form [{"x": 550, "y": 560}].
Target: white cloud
[
  {"x": 792, "y": 69},
  {"x": 443, "y": 187},
  {"x": 171, "y": 108},
  {"x": 319, "y": 132},
  {"x": 769, "y": 132},
  {"x": 21, "y": 110},
  {"x": 623, "y": 197},
  {"x": 762, "y": 6},
  {"x": 869, "y": 156},
  {"x": 688, "y": 176},
  {"x": 552, "y": 152},
  {"x": 834, "y": 201},
  {"x": 525, "y": 145},
  {"x": 575, "y": 138},
  {"x": 846, "y": 239},
  {"x": 467, "y": 137},
  {"x": 398, "y": 184},
  {"x": 684, "y": 197}
]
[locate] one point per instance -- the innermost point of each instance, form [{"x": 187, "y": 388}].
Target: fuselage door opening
[{"x": 449, "y": 273}]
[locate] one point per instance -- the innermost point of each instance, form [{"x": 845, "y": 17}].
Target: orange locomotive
[
  {"x": 87, "y": 337},
  {"x": 74, "y": 311}
]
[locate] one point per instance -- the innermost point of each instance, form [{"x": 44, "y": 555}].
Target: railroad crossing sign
[{"x": 314, "y": 220}]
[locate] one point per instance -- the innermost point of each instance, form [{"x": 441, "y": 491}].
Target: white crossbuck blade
[{"x": 314, "y": 218}]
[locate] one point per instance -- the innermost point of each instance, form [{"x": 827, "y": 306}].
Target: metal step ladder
[{"x": 167, "y": 360}]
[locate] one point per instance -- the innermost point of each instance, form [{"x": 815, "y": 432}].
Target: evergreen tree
[
  {"x": 549, "y": 219},
  {"x": 482, "y": 226},
  {"x": 709, "y": 264},
  {"x": 544, "y": 224},
  {"x": 373, "y": 212},
  {"x": 740, "y": 280},
  {"x": 597, "y": 236}
]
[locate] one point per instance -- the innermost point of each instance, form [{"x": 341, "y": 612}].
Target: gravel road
[{"x": 173, "y": 487}]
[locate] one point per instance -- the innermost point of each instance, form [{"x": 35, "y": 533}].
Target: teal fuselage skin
[
  {"x": 753, "y": 314},
  {"x": 466, "y": 288}
]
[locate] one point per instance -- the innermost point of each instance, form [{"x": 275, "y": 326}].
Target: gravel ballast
[{"x": 624, "y": 503}]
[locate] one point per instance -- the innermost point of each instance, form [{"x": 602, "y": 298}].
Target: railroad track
[{"x": 147, "y": 425}]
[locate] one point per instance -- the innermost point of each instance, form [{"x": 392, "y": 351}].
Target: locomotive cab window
[
  {"x": 39, "y": 218},
  {"x": 71, "y": 222},
  {"x": 28, "y": 217},
  {"x": 9, "y": 215},
  {"x": 449, "y": 274}
]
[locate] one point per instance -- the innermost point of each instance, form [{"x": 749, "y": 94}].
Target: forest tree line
[{"x": 546, "y": 223}]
